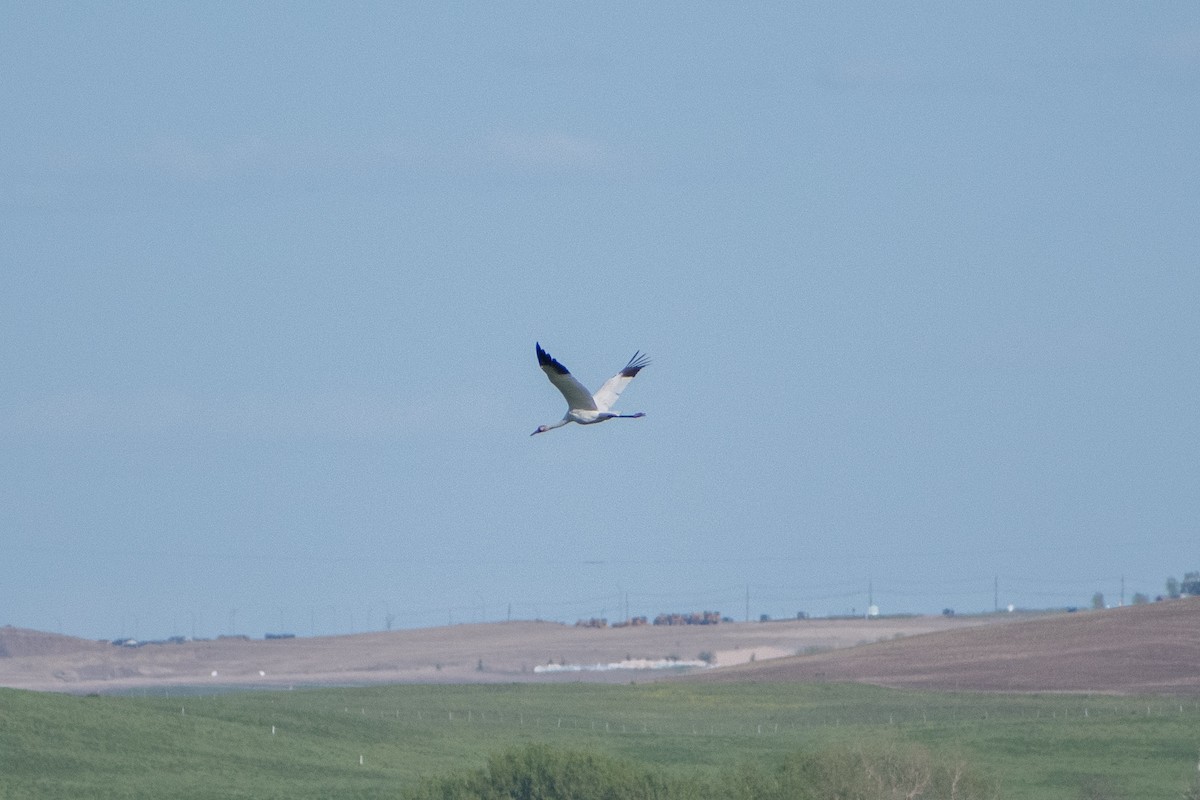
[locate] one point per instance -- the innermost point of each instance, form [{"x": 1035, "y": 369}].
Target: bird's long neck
[{"x": 559, "y": 424}]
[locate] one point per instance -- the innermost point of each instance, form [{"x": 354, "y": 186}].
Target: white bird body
[{"x": 584, "y": 407}]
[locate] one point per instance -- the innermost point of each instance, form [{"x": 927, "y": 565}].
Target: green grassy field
[{"x": 300, "y": 744}]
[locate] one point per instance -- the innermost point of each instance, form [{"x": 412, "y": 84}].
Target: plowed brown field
[
  {"x": 1148, "y": 649},
  {"x": 484, "y": 653},
  {"x": 1139, "y": 649}
]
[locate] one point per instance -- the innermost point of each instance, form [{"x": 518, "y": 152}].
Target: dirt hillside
[
  {"x": 21, "y": 642},
  {"x": 1152, "y": 648},
  {"x": 497, "y": 652},
  {"x": 1139, "y": 649}
]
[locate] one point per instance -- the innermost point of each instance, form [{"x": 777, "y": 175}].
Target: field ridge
[
  {"x": 501, "y": 652},
  {"x": 1142, "y": 649},
  {"x": 1145, "y": 649}
]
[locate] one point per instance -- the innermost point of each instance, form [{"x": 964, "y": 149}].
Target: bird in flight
[{"x": 582, "y": 406}]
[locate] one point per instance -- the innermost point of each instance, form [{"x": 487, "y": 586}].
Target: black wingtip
[
  {"x": 637, "y": 363},
  {"x": 546, "y": 360}
]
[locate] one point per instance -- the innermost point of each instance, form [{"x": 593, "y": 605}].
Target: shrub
[
  {"x": 884, "y": 771},
  {"x": 538, "y": 772},
  {"x": 887, "y": 771}
]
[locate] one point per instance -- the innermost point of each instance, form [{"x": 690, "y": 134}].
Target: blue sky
[{"x": 920, "y": 283}]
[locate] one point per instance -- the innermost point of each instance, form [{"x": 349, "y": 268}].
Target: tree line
[{"x": 1190, "y": 585}]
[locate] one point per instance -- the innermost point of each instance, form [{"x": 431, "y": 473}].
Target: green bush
[
  {"x": 885, "y": 772},
  {"x": 538, "y": 772},
  {"x": 878, "y": 772}
]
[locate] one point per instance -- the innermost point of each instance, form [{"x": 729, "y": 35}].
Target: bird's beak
[{"x": 535, "y": 433}]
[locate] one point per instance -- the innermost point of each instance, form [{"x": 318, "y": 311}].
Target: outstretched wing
[
  {"x": 612, "y": 388},
  {"x": 577, "y": 396}
]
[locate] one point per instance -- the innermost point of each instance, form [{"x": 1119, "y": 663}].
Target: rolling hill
[
  {"x": 1151, "y": 648},
  {"x": 1145, "y": 649}
]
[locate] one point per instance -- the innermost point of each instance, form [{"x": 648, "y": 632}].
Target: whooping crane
[{"x": 582, "y": 406}]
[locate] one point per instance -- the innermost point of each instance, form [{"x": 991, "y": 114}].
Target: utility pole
[
  {"x": 1122, "y": 590},
  {"x": 747, "y": 602},
  {"x": 996, "y": 594}
]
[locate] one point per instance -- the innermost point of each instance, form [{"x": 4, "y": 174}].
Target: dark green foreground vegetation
[
  {"x": 660, "y": 740},
  {"x": 883, "y": 770}
]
